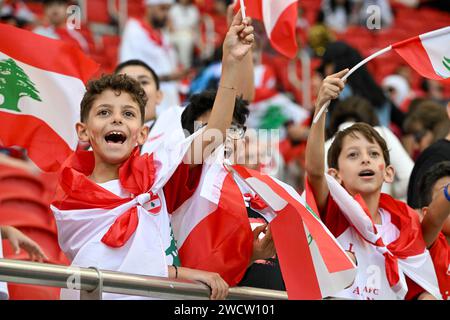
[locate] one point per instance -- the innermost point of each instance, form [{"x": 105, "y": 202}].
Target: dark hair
[
  {"x": 135, "y": 62},
  {"x": 356, "y": 109},
  {"x": 367, "y": 132},
  {"x": 203, "y": 102},
  {"x": 428, "y": 115},
  {"x": 361, "y": 82},
  {"x": 429, "y": 179},
  {"x": 118, "y": 83}
]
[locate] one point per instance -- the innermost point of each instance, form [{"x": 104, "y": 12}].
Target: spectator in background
[
  {"x": 425, "y": 124},
  {"x": 184, "y": 18},
  {"x": 338, "y": 56},
  {"x": 147, "y": 40},
  {"x": 436, "y": 152},
  {"x": 16, "y": 13},
  {"x": 434, "y": 90},
  {"x": 337, "y": 14},
  {"x": 357, "y": 109},
  {"x": 55, "y": 25}
]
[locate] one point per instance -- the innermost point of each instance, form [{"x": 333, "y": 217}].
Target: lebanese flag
[
  {"x": 405, "y": 256},
  {"x": 41, "y": 87},
  {"x": 428, "y": 54},
  {"x": 301, "y": 240},
  {"x": 280, "y": 18},
  {"x": 212, "y": 229}
]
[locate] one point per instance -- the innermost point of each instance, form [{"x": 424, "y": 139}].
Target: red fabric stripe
[
  {"x": 253, "y": 8},
  {"x": 223, "y": 241},
  {"x": 440, "y": 253},
  {"x": 283, "y": 35},
  {"x": 328, "y": 248},
  {"x": 413, "y": 52},
  {"x": 35, "y": 135},
  {"x": 45, "y": 53},
  {"x": 295, "y": 258}
]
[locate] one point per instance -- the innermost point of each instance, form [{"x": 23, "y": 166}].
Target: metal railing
[{"x": 93, "y": 282}]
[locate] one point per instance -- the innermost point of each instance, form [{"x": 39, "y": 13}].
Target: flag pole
[
  {"x": 242, "y": 9},
  {"x": 361, "y": 63}
]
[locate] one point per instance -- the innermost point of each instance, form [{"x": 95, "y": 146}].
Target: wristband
[{"x": 447, "y": 196}]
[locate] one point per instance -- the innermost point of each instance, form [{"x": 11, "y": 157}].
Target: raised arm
[
  {"x": 437, "y": 213},
  {"x": 315, "y": 164},
  {"x": 236, "y": 46},
  {"x": 246, "y": 81}
]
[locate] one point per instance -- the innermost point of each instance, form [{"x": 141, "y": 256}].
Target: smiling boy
[
  {"x": 359, "y": 160},
  {"x": 112, "y": 204}
]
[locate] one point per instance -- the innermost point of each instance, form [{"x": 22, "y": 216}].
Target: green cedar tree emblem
[
  {"x": 15, "y": 84},
  {"x": 173, "y": 251}
]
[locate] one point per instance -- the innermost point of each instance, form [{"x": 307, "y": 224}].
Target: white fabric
[
  {"x": 387, "y": 230},
  {"x": 400, "y": 160},
  {"x": 167, "y": 129},
  {"x": 80, "y": 231},
  {"x": 419, "y": 268},
  {"x": 3, "y": 286},
  {"x": 136, "y": 44},
  {"x": 401, "y": 86},
  {"x": 437, "y": 46}
]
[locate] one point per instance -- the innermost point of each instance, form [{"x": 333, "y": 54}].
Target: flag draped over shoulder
[
  {"x": 302, "y": 241},
  {"x": 428, "y": 53},
  {"x": 280, "y": 18},
  {"x": 405, "y": 256},
  {"x": 41, "y": 87}
]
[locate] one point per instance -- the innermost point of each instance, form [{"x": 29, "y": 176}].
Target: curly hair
[{"x": 118, "y": 83}]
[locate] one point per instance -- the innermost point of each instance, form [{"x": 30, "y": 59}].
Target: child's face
[
  {"x": 145, "y": 78},
  {"x": 362, "y": 168},
  {"x": 113, "y": 127}
]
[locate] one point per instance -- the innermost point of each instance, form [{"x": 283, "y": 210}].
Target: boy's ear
[
  {"x": 82, "y": 131},
  {"x": 159, "y": 96},
  {"x": 389, "y": 174},
  {"x": 335, "y": 174},
  {"x": 142, "y": 135}
]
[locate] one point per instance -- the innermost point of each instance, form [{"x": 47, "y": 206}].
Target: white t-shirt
[
  {"x": 371, "y": 280},
  {"x": 3, "y": 286}
]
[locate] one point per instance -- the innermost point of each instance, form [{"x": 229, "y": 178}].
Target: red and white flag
[
  {"x": 41, "y": 87},
  {"x": 428, "y": 53},
  {"x": 280, "y": 18},
  {"x": 301, "y": 239}
]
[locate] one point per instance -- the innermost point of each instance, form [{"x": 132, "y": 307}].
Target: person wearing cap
[{"x": 147, "y": 40}]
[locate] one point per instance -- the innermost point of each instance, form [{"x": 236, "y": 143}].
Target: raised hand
[
  {"x": 331, "y": 88},
  {"x": 239, "y": 39}
]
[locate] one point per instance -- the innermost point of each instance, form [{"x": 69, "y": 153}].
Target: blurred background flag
[{"x": 41, "y": 87}]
